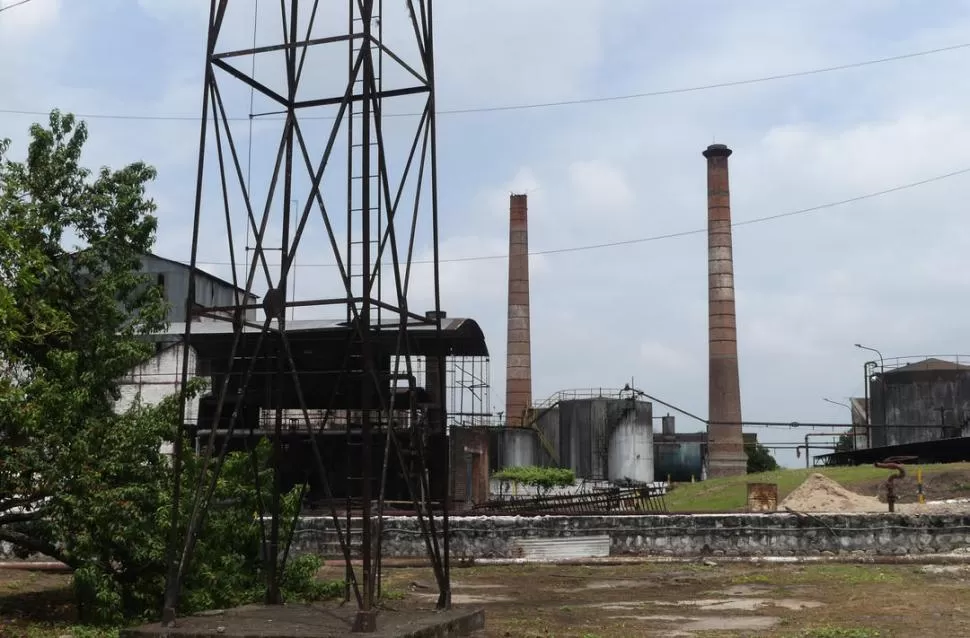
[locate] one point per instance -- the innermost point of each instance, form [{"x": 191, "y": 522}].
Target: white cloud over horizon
[{"x": 886, "y": 271}]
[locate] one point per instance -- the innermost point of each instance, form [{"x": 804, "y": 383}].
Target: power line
[
  {"x": 11, "y": 6},
  {"x": 683, "y": 233},
  {"x": 535, "y": 105}
]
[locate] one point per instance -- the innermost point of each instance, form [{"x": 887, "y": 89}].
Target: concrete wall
[
  {"x": 469, "y": 467},
  {"x": 156, "y": 379},
  {"x": 915, "y": 398},
  {"x": 675, "y": 535}
]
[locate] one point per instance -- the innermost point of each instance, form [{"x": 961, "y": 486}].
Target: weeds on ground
[
  {"x": 850, "y": 574},
  {"x": 392, "y": 594},
  {"x": 55, "y": 631}
]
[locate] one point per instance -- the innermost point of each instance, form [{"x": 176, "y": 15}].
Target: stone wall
[{"x": 775, "y": 534}]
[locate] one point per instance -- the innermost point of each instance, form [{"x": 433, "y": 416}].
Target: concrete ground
[{"x": 688, "y": 600}]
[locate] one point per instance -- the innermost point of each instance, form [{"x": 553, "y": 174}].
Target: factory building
[
  {"x": 210, "y": 291},
  {"x": 601, "y": 436},
  {"x": 318, "y": 348},
  {"x": 604, "y": 437},
  {"x": 916, "y": 406}
]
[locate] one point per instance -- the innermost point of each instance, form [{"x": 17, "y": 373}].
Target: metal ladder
[{"x": 357, "y": 148}]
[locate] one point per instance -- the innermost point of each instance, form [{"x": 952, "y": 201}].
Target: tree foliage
[
  {"x": 845, "y": 443},
  {"x": 760, "y": 459},
  {"x": 542, "y": 478},
  {"x": 79, "y": 481}
]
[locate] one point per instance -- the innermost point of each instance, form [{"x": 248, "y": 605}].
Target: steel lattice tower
[{"x": 327, "y": 70}]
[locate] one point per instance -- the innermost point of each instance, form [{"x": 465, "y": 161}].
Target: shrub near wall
[{"x": 542, "y": 479}]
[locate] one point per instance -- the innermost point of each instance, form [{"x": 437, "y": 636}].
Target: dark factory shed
[
  {"x": 925, "y": 400},
  {"x": 319, "y": 349},
  {"x": 331, "y": 396}
]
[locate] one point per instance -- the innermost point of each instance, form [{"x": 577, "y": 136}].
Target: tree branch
[
  {"x": 20, "y": 517},
  {"x": 34, "y": 545}
]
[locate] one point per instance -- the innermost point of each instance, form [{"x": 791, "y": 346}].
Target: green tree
[
  {"x": 760, "y": 459},
  {"x": 78, "y": 481},
  {"x": 845, "y": 443}
]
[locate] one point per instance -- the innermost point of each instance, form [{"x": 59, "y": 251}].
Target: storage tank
[
  {"x": 681, "y": 461},
  {"x": 631, "y": 448},
  {"x": 518, "y": 447},
  {"x": 587, "y": 429}
]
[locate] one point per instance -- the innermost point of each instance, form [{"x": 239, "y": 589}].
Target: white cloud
[
  {"x": 601, "y": 188},
  {"x": 19, "y": 21}
]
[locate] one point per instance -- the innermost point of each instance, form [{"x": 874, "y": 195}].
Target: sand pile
[{"x": 821, "y": 494}]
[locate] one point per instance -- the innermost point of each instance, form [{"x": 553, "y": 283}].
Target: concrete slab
[{"x": 321, "y": 620}]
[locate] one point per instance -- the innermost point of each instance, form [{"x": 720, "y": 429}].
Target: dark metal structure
[
  {"x": 325, "y": 77},
  {"x": 953, "y": 450},
  {"x": 929, "y": 392}
]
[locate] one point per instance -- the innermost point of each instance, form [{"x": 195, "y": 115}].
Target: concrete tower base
[{"x": 719, "y": 468}]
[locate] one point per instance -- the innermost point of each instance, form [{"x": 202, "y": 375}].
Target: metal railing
[{"x": 631, "y": 500}]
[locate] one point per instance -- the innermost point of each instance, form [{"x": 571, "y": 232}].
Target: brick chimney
[
  {"x": 726, "y": 456},
  {"x": 518, "y": 372}
]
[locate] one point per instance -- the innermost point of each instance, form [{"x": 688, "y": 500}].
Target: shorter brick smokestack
[
  {"x": 725, "y": 445},
  {"x": 518, "y": 372}
]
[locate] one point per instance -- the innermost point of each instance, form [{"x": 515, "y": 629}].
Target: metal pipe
[
  {"x": 882, "y": 365},
  {"x": 807, "y": 448}
]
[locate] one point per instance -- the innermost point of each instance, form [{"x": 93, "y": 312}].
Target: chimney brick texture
[
  {"x": 518, "y": 372},
  {"x": 725, "y": 446}
]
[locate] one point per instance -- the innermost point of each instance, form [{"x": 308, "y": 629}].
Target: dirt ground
[
  {"x": 695, "y": 600},
  {"x": 706, "y": 600},
  {"x": 950, "y": 484}
]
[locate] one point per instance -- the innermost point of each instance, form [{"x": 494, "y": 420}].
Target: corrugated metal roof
[{"x": 572, "y": 547}]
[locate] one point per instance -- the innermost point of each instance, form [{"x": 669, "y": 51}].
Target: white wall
[{"x": 156, "y": 379}]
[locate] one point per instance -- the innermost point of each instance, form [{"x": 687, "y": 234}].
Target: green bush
[{"x": 542, "y": 478}]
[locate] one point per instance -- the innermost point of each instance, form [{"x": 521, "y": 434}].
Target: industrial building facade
[{"x": 914, "y": 406}]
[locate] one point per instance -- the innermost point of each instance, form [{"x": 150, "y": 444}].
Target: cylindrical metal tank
[
  {"x": 680, "y": 461},
  {"x": 586, "y": 437},
  {"x": 518, "y": 447},
  {"x": 630, "y": 456}
]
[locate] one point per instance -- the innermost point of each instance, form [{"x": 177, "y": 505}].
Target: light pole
[
  {"x": 851, "y": 430},
  {"x": 844, "y": 405},
  {"x": 882, "y": 388},
  {"x": 882, "y": 366}
]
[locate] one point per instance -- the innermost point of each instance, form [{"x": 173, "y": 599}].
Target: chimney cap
[{"x": 717, "y": 150}]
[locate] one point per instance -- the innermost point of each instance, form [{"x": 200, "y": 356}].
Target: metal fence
[{"x": 616, "y": 500}]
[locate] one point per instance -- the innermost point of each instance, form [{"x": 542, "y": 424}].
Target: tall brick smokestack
[
  {"x": 518, "y": 372},
  {"x": 725, "y": 445}
]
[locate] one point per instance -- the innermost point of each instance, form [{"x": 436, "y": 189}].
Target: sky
[{"x": 886, "y": 271}]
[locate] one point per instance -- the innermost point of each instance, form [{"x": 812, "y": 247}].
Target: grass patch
[
  {"x": 730, "y": 493},
  {"x": 850, "y": 574},
  {"x": 393, "y": 594}
]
